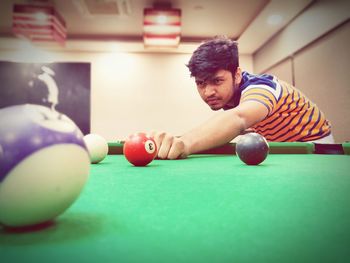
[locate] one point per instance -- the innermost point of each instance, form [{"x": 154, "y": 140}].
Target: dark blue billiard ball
[
  {"x": 252, "y": 148},
  {"x": 44, "y": 164}
]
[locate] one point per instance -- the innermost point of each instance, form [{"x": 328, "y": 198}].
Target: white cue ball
[{"x": 97, "y": 147}]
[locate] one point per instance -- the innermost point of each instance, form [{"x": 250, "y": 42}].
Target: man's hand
[{"x": 169, "y": 146}]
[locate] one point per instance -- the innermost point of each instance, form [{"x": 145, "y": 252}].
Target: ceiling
[{"x": 121, "y": 21}]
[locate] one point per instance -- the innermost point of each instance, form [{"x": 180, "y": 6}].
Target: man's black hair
[{"x": 213, "y": 55}]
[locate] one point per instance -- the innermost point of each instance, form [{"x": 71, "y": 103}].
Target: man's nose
[{"x": 209, "y": 90}]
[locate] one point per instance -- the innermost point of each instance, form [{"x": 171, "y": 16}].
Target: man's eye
[
  {"x": 200, "y": 83},
  {"x": 217, "y": 81}
]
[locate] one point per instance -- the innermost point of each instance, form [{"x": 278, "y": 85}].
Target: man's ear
[{"x": 238, "y": 75}]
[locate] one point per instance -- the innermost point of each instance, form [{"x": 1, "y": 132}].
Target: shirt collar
[{"x": 234, "y": 101}]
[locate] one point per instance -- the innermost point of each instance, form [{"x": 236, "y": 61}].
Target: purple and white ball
[
  {"x": 44, "y": 164},
  {"x": 97, "y": 146}
]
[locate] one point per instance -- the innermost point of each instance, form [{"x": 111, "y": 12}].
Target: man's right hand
[{"x": 169, "y": 146}]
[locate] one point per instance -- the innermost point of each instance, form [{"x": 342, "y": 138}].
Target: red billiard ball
[
  {"x": 252, "y": 148},
  {"x": 140, "y": 149}
]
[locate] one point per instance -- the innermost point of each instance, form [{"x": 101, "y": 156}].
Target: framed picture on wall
[{"x": 64, "y": 87}]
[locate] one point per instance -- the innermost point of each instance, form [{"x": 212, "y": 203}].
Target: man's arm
[{"x": 218, "y": 130}]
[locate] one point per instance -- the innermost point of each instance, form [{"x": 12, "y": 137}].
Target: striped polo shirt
[{"x": 291, "y": 115}]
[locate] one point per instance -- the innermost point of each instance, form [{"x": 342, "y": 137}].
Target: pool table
[{"x": 210, "y": 207}]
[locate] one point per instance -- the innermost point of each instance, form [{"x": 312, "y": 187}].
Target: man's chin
[{"x": 215, "y": 107}]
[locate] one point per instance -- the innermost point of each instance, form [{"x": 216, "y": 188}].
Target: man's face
[{"x": 217, "y": 90}]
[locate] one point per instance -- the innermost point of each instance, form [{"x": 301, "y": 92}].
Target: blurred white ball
[
  {"x": 97, "y": 147},
  {"x": 44, "y": 164}
]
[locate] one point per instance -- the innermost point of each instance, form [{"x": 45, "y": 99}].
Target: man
[{"x": 260, "y": 103}]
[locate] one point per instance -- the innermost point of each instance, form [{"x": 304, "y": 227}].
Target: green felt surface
[{"x": 207, "y": 208}]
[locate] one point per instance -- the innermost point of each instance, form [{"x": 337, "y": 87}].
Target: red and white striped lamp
[
  {"x": 38, "y": 23},
  {"x": 161, "y": 27}
]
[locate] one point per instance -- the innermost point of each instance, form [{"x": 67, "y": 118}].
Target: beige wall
[
  {"x": 320, "y": 18},
  {"x": 322, "y": 72},
  {"x": 134, "y": 92}
]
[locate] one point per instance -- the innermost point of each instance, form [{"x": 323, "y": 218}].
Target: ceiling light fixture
[
  {"x": 38, "y": 23},
  {"x": 161, "y": 26}
]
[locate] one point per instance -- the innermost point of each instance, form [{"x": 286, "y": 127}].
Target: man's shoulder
[
  {"x": 260, "y": 84},
  {"x": 249, "y": 79}
]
